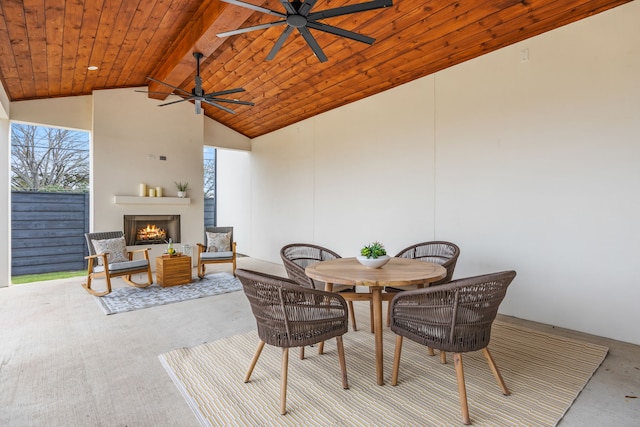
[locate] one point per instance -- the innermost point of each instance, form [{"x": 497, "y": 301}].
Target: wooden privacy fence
[{"x": 47, "y": 232}]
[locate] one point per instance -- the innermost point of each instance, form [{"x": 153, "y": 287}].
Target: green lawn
[{"x": 28, "y": 278}]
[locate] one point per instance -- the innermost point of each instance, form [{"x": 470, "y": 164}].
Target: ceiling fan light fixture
[
  {"x": 198, "y": 95},
  {"x": 92, "y": 67}
]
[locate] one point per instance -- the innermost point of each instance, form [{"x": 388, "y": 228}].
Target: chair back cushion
[
  {"x": 218, "y": 239},
  {"x": 116, "y": 249},
  {"x": 453, "y": 317},
  {"x": 218, "y": 242},
  {"x": 288, "y": 315}
]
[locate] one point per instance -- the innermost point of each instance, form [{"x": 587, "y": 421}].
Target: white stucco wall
[
  {"x": 531, "y": 166},
  {"x": 71, "y": 112},
  {"x": 129, "y": 139}
]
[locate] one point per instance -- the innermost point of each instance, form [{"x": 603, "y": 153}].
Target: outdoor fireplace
[{"x": 151, "y": 229}]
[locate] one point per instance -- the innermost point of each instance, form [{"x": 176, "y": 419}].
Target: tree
[
  {"x": 209, "y": 172},
  {"x": 49, "y": 159}
]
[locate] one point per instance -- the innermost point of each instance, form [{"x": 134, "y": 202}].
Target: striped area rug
[{"x": 545, "y": 373}]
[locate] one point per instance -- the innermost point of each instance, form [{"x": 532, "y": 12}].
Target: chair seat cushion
[
  {"x": 216, "y": 255},
  {"x": 121, "y": 266}
]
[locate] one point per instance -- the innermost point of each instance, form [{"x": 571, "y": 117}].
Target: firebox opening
[{"x": 151, "y": 229}]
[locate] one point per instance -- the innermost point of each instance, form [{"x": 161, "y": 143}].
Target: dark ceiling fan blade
[
  {"x": 175, "y": 102},
  {"x": 224, "y": 92},
  {"x": 256, "y": 8},
  {"x": 232, "y": 101},
  {"x": 288, "y": 7},
  {"x": 313, "y": 44},
  {"x": 279, "y": 43},
  {"x": 222, "y": 107},
  {"x": 156, "y": 93},
  {"x": 346, "y": 10},
  {"x": 167, "y": 84},
  {"x": 340, "y": 32},
  {"x": 306, "y": 7},
  {"x": 246, "y": 30}
]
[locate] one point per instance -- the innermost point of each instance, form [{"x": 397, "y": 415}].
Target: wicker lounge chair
[
  {"x": 219, "y": 247},
  {"x": 109, "y": 257}
]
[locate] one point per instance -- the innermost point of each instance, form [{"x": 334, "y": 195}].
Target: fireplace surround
[{"x": 151, "y": 229}]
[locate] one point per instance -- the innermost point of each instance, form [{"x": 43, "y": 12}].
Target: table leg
[{"x": 377, "y": 320}]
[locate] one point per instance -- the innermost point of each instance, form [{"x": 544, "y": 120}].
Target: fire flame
[{"x": 151, "y": 232}]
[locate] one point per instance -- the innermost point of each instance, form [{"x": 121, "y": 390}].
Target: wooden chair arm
[
  {"x": 144, "y": 251},
  {"x": 139, "y": 250}
]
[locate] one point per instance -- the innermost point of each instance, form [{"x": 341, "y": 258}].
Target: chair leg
[
  {"x": 353, "y": 316},
  {"x": 87, "y": 286},
  {"x": 388, "y": 314},
  {"x": 396, "y": 360},
  {"x": 462, "y": 390},
  {"x": 430, "y": 351},
  {"x": 343, "y": 362},
  {"x": 302, "y": 353},
  {"x": 443, "y": 357},
  {"x": 127, "y": 279},
  {"x": 496, "y": 372},
  {"x": 256, "y": 356},
  {"x": 283, "y": 381}
]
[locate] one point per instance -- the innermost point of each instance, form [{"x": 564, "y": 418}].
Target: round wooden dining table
[{"x": 397, "y": 272}]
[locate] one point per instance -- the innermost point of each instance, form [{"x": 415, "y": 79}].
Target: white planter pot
[{"x": 373, "y": 262}]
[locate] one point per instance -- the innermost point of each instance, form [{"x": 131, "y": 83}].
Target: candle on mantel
[
  {"x": 152, "y": 192},
  {"x": 158, "y": 191},
  {"x": 143, "y": 190}
]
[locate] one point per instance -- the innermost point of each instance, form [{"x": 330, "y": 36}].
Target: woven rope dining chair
[
  {"x": 298, "y": 256},
  {"x": 288, "y": 315},
  {"x": 438, "y": 252},
  {"x": 455, "y": 317}
]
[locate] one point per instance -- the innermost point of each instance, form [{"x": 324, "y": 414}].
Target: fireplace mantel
[{"x": 135, "y": 200}]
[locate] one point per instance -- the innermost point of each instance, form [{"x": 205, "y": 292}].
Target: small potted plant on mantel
[
  {"x": 182, "y": 188},
  {"x": 373, "y": 255}
]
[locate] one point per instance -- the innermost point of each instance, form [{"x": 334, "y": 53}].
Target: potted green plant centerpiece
[
  {"x": 182, "y": 188},
  {"x": 373, "y": 255}
]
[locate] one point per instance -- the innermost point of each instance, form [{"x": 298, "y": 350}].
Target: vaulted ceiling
[{"x": 47, "y": 46}]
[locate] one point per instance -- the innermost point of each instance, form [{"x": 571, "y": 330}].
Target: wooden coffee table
[{"x": 172, "y": 271}]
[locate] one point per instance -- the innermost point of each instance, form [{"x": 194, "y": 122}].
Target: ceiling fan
[
  {"x": 298, "y": 15},
  {"x": 198, "y": 95}
]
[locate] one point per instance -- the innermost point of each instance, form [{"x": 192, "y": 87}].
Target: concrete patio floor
[{"x": 64, "y": 363}]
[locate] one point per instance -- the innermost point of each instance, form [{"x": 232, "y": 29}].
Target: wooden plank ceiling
[{"x": 46, "y": 47}]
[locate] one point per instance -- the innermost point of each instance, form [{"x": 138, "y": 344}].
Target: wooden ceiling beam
[{"x": 200, "y": 35}]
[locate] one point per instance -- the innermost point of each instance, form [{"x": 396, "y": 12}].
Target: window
[
  {"x": 209, "y": 156},
  {"x": 46, "y": 159}
]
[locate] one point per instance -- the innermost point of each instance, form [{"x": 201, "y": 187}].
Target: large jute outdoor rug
[
  {"x": 545, "y": 373},
  {"x": 130, "y": 298}
]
